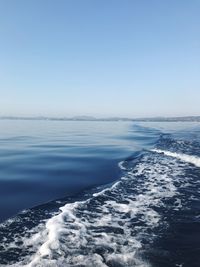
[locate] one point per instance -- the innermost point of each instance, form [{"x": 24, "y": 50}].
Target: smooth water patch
[{"x": 45, "y": 160}]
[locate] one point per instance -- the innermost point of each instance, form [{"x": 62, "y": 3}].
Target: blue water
[
  {"x": 45, "y": 160},
  {"x": 99, "y": 194}
]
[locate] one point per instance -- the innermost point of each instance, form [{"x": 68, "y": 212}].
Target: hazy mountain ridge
[{"x": 91, "y": 118}]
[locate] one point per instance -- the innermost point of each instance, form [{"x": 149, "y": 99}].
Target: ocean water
[{"x": 103, "y": 194}]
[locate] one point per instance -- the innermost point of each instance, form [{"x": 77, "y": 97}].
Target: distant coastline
[{"x": 90, "y": 118}]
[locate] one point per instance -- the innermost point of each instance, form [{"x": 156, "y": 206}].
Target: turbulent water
[{"x": 149, "y": 216}]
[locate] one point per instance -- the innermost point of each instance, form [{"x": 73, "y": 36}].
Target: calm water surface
[{"x": 44, "y": 160}]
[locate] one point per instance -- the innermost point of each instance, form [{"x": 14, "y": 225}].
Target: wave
[
  {"x": 184, "y": 157},
  {"x": 116, "y": 226}
]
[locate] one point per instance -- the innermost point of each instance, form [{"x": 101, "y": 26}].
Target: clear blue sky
[{"x": 100, "y": 57}]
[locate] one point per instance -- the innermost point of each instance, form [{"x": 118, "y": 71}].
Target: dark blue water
[
  {"x": 102, "y": 194},
  {"x": 42, "y": 160}
]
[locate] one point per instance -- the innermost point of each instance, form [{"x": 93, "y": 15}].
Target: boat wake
[{"x": 116, "y": 226}]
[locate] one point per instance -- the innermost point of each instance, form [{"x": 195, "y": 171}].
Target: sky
[{"x": 127, "y": 58}]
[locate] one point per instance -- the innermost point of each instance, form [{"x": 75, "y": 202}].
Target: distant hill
[{"x": 90, "y": 118}]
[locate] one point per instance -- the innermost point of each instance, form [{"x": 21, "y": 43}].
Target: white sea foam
[
  {"x": 120, "y": 164},
  {"x": 108, "y": 228},
  {"x": 101, "y": 226},
  {"x": 187, "y": 158}
]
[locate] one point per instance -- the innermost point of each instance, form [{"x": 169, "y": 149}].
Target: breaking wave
[{"x": 187, "y": 158}]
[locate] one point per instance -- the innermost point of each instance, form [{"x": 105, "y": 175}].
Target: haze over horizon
[{"x": 99, "y": 58}]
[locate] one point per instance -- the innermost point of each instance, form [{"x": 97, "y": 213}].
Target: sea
[{"x": 99, "y": 194}]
